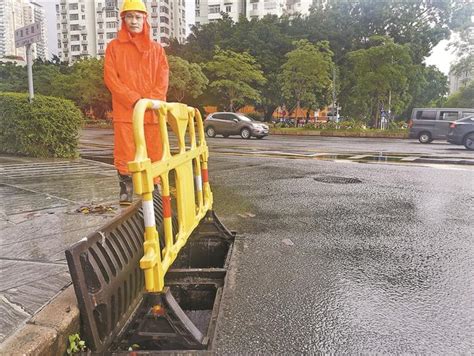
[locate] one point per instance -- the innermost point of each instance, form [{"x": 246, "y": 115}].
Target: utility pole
[
  {"x": 334, "y": 109},
  {"x": 29, "y": 63}
]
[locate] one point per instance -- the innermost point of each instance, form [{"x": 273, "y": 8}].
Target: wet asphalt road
[
  {"x": 381, "y": 264},
  {"x": 384, "y": 265}
]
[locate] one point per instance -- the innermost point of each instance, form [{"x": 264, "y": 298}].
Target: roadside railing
[{"x": 187, "y": 168}]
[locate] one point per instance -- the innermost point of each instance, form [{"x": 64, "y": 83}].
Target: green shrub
[{"x": 48, "y": 127}]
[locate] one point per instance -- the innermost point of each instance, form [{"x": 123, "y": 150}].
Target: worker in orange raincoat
[{"x": 135, "y": 67}]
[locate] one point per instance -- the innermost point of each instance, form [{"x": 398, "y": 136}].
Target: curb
[
  {"x": 337, "y": 134},
  {"x": 46, "y": 333}
]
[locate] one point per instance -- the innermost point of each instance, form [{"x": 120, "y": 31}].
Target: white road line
[
  {"x": 359, "y": 156},
  {"x": 409, "y": 159}
]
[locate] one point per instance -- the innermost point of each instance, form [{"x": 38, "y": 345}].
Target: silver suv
[{"x": 229, "y": 123}]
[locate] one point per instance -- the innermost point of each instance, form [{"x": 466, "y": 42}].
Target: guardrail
[{"x": 189, "y": 169}]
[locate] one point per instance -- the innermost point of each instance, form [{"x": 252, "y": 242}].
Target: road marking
[
  {"x": 359, "y": 156},
  {"x": 409, "y": 159}
]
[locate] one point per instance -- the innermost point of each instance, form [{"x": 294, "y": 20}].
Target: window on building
[
  {"x": 111, "y": 25},
  {"x": 164, "y": 19},
  {"x": 164, "y": 9},
  {"x": 198, "y": 13},
  {"x": 111, "y": 35},
  {"x": 75, "y": 48},
  {"x": 73, "y": 6},
  {"x": 214, "y": 9},
  {"x": 110, "y": 14},
  {"x": 73, "y": 17},
  {"x": 74, "y": 27},
  {"x": 75, "y": 37},
  {"x": 84, "y": 47},
  {"x": 228, "y": 8}
]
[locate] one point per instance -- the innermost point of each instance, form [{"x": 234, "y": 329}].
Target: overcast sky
[{"x": 440, "y": 57}]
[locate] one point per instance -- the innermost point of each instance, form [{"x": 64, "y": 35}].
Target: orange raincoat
[{"x": 135, "y": 68}]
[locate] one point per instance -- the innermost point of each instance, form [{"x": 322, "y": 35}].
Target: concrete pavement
[{"x": 38, "y": 221}]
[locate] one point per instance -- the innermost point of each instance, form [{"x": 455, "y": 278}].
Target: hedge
[{"x": 49, "y": 127}]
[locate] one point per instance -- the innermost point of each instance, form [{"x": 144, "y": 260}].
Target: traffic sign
[{"x": 28, "y": 34}]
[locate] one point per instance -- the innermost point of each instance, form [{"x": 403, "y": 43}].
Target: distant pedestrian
[{"x": 135, "y": 67}]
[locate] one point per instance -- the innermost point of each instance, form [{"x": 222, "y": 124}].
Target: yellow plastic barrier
[{"x": 193, "y": 192}]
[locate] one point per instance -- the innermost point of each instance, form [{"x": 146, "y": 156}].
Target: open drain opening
[
  {"x": 203, "y": 252},
  {"x": 337, "y": 180},
  {"x": 170, "y": 330}
]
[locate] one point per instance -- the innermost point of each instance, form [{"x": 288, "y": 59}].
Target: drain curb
[{"x": 46, "y": 333}]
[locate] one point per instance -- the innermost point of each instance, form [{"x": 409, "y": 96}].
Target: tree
[
  {"x": 463, "y": 98},
  {"x": 428, "y": 87},
  {"x": 380, "y": 78},
  {"x": 236, "y": 77},
  {"x": 305, "y": 76},
  {"x": 349, "y": 25},
  {"x": 186, "y": 79},
  {"x": 464, "y": 69},
  {"x": 13, "y": 77}
]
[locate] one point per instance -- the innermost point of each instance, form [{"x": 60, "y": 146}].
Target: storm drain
[
  {"x": 337, "y": 180},
  {"x": 117, "y": 315}
]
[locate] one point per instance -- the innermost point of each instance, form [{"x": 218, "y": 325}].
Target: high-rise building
[
  {"x": 85, "y": 27},
  {"x": 15, "y": 14},
  {"x": 11, "y": 18},
  {"x": 34, "y": 13},
  {"x": 212, "y": 10}
]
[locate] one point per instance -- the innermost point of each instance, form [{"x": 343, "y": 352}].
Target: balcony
[
  {"x": 99, "y": 9},
  {"x": 101, "y": 42},
  {"x": 64, "y": 21},
  {"x": 100, "y": 19},
  {"x": 85, "y": 52},
  {"x": 154, "y": 15},
  {"x": 100, "y": 52},
  {"x": 83, "y": 31},
  {"x": 100, "y": 30},
  {"x": 84, "y": 42}
]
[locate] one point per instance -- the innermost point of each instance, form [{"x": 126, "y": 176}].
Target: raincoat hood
[{"x": 142, "y": 41}]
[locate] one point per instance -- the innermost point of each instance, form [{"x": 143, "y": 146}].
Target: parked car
[
  {"x": 428, "y": 124},
  {"x": 461, "y": 132},
  {"x": 229, "y": 123}
]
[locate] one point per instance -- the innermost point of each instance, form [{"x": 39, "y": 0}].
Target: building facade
[
  {"x": 211, "y": 10},
  {"x": 85, "y": 27},
  {"x": 34, "y": 13},
  {"x": 15, "y": 14}
]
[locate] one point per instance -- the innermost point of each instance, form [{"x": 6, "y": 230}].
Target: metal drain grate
[{"x": 337, "y": 180}]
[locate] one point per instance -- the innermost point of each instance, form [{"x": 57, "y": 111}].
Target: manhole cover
[{"x": 337, "y": 180}]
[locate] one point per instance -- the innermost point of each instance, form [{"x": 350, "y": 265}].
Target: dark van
[{"x": 428, "y": 124}]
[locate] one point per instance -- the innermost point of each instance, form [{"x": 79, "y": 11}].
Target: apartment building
[
  {"x": 211, "y": 10},
  {"x": 34, "y": 13},
  {"x": 15, "y": 14},
  {"x": 85, "y": 27}
]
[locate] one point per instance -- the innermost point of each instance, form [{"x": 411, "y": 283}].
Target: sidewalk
[{"x": 38, "y": 221}]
